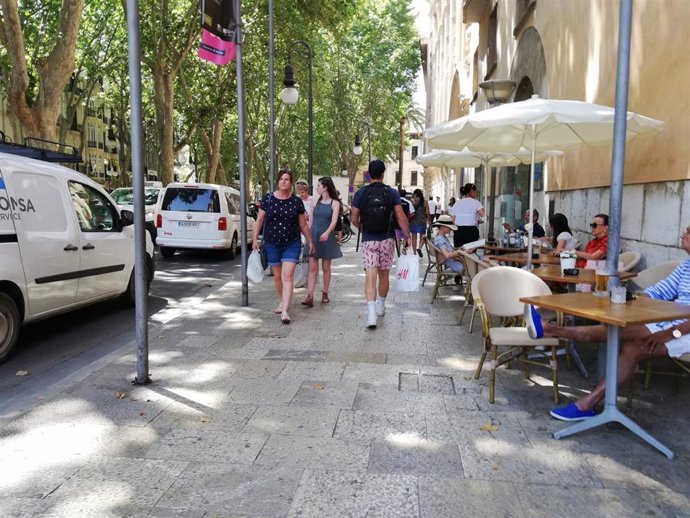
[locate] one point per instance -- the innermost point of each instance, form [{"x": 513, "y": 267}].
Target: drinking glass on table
[{"x": 601, "y": 280}]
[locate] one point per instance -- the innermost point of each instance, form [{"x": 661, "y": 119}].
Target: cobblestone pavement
[{"x": 324, "y": 418}]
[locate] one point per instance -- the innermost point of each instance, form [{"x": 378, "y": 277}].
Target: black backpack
[
  {"x": 376, "y": 208},
  {"x": 406, "y": 210}
]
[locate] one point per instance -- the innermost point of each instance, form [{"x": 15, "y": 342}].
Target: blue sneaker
[
  {"x": 571, "y": 413},
  {"x": 533, "y": 322}
]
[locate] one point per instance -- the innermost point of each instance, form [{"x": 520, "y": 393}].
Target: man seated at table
[
  {"x": 596, "y": 249},
  {"x": 638, "y": 343},
  {"x": 538, "y": 230}
]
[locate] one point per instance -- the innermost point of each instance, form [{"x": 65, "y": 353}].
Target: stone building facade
[{"x": 562, "y": 49}]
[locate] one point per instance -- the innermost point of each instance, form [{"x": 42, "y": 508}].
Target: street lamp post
[
  {"x": 497, "y": 91},
  {"x": 289, "y": 95},
  {"x": 357, "y": 150}
]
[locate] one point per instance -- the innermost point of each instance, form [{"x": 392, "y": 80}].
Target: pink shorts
[{"x": 378, "y": 254}]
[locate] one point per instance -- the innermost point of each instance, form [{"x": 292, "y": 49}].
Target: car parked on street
[
  {"x": 124, "y": 197},
  {"x": 64, "y": 244},
  {"x": 200, "y": 216}
]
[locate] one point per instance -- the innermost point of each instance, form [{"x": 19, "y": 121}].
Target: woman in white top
[
  {"x": 562, "y": 235},
  {"x": 467, "y": 211}
]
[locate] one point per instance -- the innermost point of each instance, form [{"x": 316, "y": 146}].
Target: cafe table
[
  {"x": 643, "y": 310},
  {"x": 521, "y": 258},
  {"x": 553, "y": 273},
  {"x": 501, "y": 250}
]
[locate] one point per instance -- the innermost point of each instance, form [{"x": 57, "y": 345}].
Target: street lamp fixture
[
  {"x": 357, "y": 150},
  {"x": 289, "y": 95},
  {"x": 496, "y": 91}
]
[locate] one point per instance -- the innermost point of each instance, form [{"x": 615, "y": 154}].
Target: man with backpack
[{"x": 376, "y": 206}]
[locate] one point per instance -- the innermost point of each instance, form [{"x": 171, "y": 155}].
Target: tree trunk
[
  {"x": 163, "y": 84},
  {"x": 39, "y": 118},
  {"x": 401, "y": 150}
]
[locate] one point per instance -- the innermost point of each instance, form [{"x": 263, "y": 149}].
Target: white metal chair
[
  {"x": 652, "y": 275},
  {"x": 499, "y": 290},
  {"x": 629, "y": 260}
]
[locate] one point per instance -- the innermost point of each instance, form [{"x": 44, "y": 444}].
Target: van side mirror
[{"x": 127, "y": 217}]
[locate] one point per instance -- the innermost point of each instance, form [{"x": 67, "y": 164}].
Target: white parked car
[
  {"x": 200, "y": 216},
  {"x": 124, "y": 197},
  {"x": 64, "y": 244}
]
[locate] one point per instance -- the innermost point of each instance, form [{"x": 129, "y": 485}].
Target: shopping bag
[
  {"x": 255, "y": 271},
  {"x": 407, "y": 273},
  {"x": 300, "y": 277}
]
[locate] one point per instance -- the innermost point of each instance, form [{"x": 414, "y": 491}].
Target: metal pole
[
  {"x": 531, "y": 198},
  {"x": 492, "y": 203},
  {"x": 619, "y": 130},
  {"x": 141, "y": 281},
  {"x": 271, "y": 99},
  {"x": 310, "y": 170},
  {"x": 240, "y": 145}
]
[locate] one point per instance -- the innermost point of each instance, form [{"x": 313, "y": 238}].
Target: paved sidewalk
[{"x": 323, "y": 418}]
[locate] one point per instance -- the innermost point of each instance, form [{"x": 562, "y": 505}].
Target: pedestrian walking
[
  {"x": 419, "y": 221},
  {"x": 375, "y": 205},
  {"x": 325, "y": 212},
  {"x": 302, "y": 190},
  {"x": 468, "y": 213},
  {"x": 432, "y": 210},
  {"x": 282, "y": 217}
]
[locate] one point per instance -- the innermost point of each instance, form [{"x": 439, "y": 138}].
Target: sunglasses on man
[{"x": 595, "y": 225}]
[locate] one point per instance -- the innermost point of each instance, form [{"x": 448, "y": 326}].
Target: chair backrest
[
  {"x": 650, "y": 276},
  {"x": 436, "y": 253},
  {"x": 501, "y": 287},
  {"x": 430, "y": 251},
  {"x": 629, "y": 260},
  {"x": 473, "y": 264}
]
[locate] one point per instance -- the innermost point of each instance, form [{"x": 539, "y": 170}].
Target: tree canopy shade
[{"x": 365, "y": 59}]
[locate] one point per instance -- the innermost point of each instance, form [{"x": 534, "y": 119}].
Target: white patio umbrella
[
  {"x": 467, "y": 158},
  {"x": 538, "y": 125}
]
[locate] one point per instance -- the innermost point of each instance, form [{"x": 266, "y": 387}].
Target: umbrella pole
[
  {"x": 492, "y": 202},
  {"x": 531, "y": 198}
]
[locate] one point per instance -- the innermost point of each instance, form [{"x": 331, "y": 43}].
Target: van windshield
[
  {"x": 185, "y": 199},
  {"x": 125, "y": 196}
]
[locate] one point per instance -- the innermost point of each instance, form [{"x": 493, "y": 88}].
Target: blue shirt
[
  {"x": 442, "y": 243},
  {"x": 395, "y": 197},
  {"x": 675, "y": 287}
]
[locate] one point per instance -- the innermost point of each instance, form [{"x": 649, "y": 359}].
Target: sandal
[
  {"x": 278, "y": 310},
  {"x": 309, "y": 301},
  {"x": 324, "y": 298},
  {"x": 284, "y": 317}
]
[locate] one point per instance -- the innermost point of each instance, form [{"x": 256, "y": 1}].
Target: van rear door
[
  {"x": 48, "y": 242},
  {"x": 191, "y": 212}
]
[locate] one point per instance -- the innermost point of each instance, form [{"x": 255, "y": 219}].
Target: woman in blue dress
[{"x": 325, "y": 211}]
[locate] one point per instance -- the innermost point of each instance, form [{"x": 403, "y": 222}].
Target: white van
[
  {"x": 63, "y": 245},
  {"x": 124, "y": 197},
  {"x": 200, "y": 216}
]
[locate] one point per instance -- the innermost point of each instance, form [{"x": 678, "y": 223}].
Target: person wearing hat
[{"x": 445, "y": 224}]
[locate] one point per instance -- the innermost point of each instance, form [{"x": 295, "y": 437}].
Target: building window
[
  {"x": 492, "y": 44},
  {"x": 398, "y": 178},
  {"x": 415, "y": 152},
  {"x": 524, "y": 9},
  {"x": 413, "y": 178}
]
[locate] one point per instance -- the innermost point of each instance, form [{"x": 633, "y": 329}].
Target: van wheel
[
  {"x": 9, "y": 325},
  {"x": 167, "y": 252},
  {"x": 231, "y": 252},
  {"x": 128, "y": 298}
]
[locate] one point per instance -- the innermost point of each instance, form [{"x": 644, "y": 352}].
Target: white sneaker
[
  {"x": 371, "y": 318},
  {"x": 380, "y": 307}
]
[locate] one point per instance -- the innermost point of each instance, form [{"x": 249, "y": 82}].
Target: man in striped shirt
[{"x": 638, "y": 343}]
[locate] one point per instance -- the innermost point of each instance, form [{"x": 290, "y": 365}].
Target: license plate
[{"x": 192, "y": 224}]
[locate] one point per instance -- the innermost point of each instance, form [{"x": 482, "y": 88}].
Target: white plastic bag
[
  {"x": 255, "y": 271},
  {"x": 300, "y": 277},
  {"x": 407, "y": 273}
]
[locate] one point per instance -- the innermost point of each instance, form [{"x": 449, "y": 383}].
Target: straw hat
[{"x": 446, "y": 221}]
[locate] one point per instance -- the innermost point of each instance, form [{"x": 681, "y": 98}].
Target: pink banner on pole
[{"x": 216, "y": 50}]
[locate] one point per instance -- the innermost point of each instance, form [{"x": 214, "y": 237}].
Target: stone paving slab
[
  {"x": 408, "y": 455},
  {"x": 211, "y": 445},
  {"x": 293, "y": 420},
  {"x": 363, "y": 427},
  {"x": 313, "y": 452},
  {"x": 339, "y": 493},
  {"x": 325, "y": 394}
]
